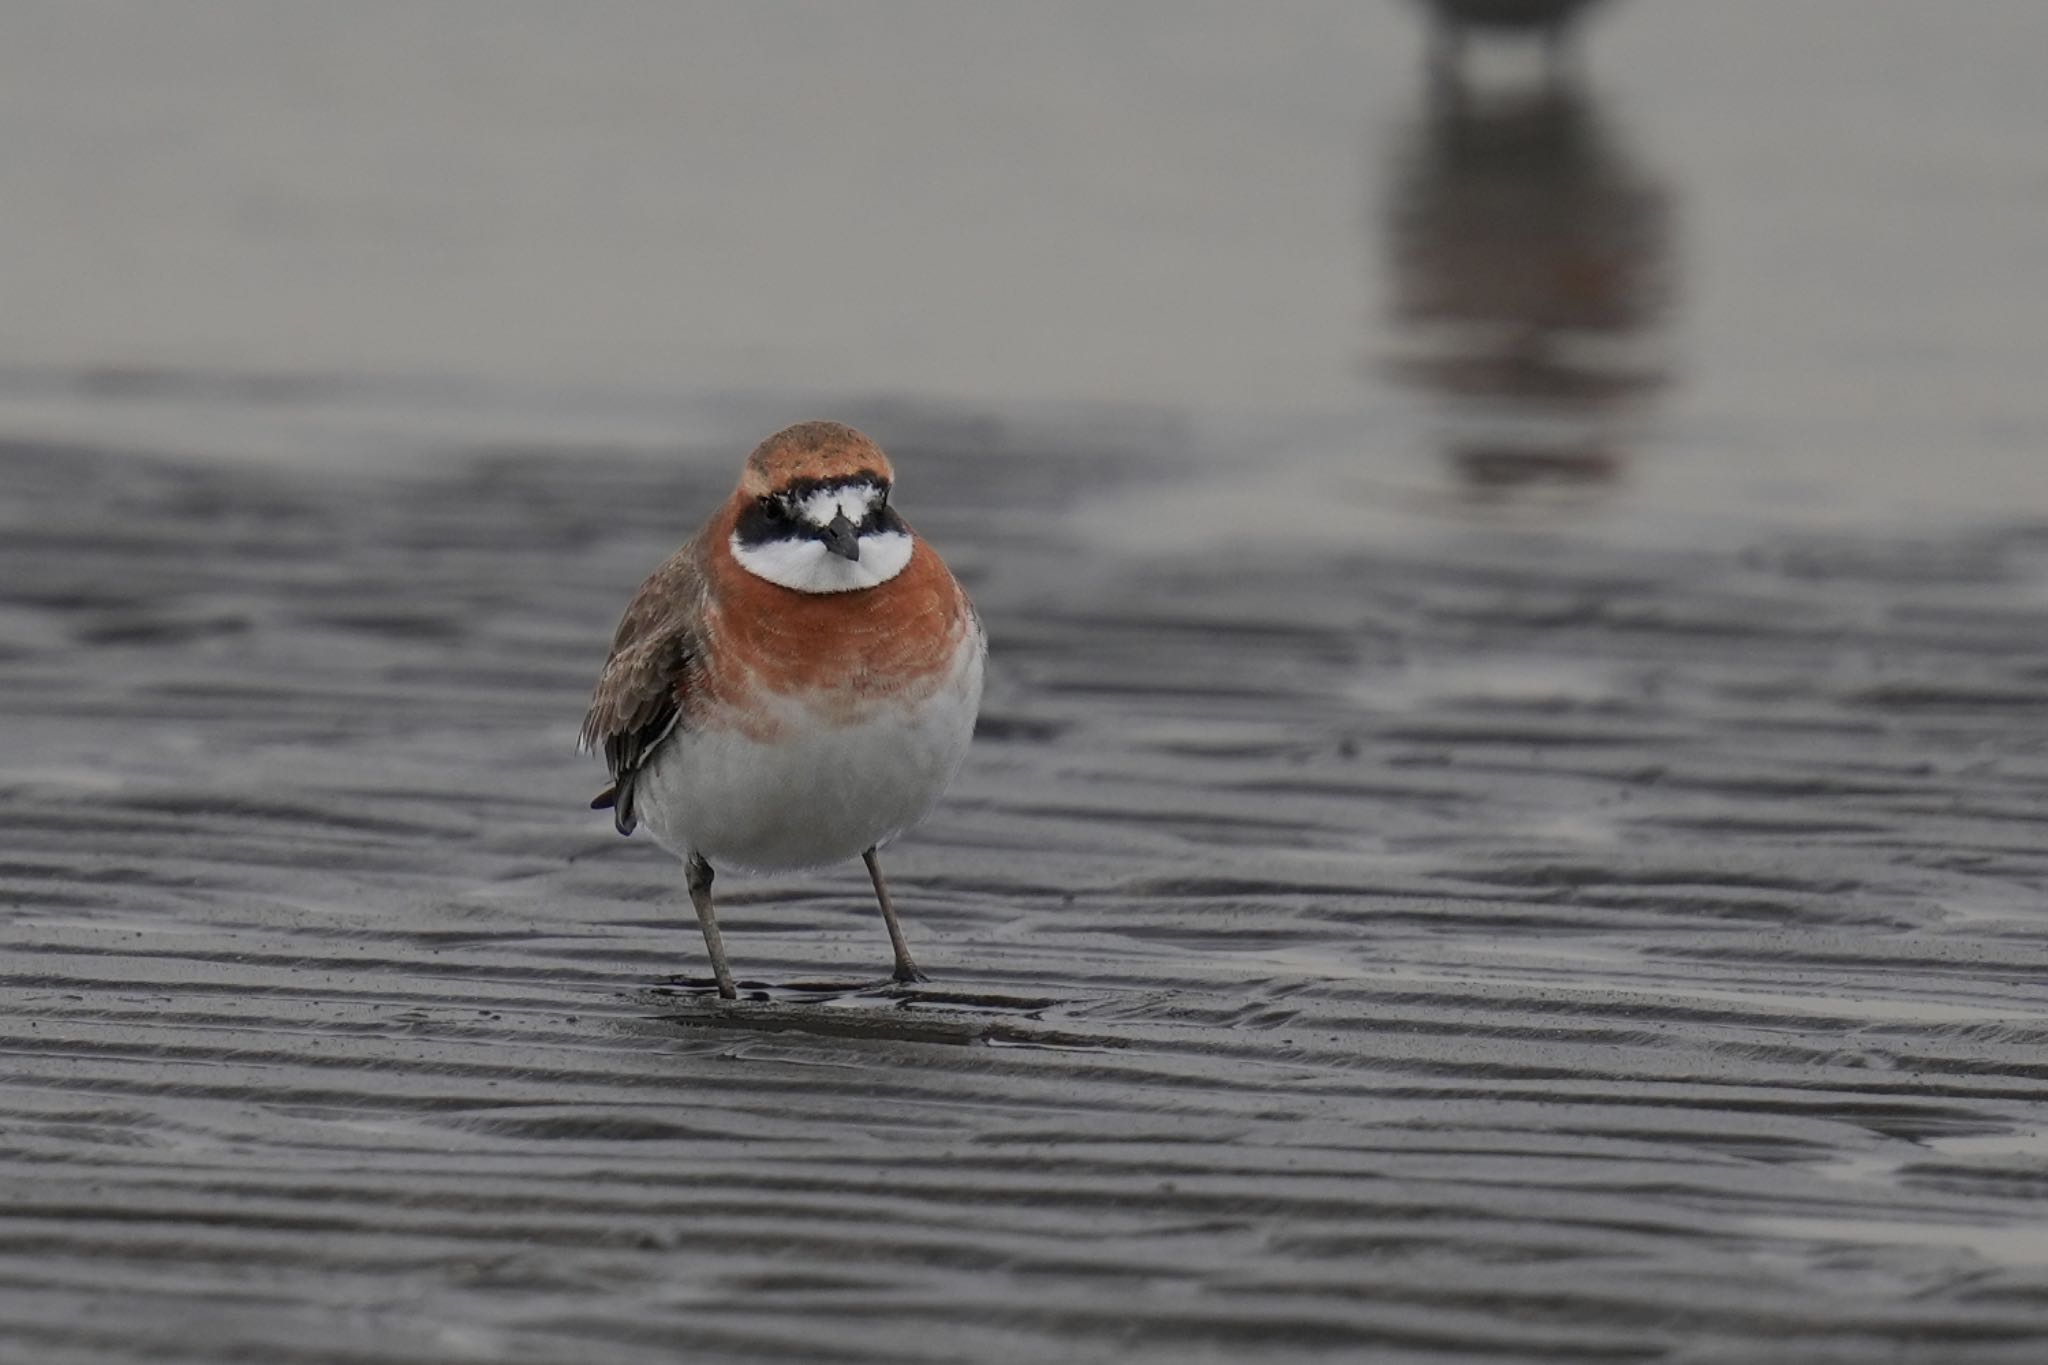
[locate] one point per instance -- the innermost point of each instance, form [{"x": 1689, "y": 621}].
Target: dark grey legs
[
  {"x": 906, "y": 970},
  {"x": 700, "y": 875},
  {"x": 700, "y": 896}
]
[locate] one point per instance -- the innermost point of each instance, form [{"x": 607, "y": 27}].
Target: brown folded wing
[{"x": 645, "y": 691}]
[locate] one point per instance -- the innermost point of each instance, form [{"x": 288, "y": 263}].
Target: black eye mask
[{"x": 773, "y": 517}]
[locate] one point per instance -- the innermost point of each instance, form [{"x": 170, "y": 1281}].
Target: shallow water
[{"x": 1508, "y": 946}]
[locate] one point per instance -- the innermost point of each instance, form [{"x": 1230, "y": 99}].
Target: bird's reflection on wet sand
[{"x": 1532, "y": 272}]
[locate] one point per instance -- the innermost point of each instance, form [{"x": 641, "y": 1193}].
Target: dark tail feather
[{"x": 618, "y": 799}]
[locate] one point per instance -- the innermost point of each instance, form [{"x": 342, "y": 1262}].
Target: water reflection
[
  {"x": 1453, "y": 22},
  {"x": 1532, "y": 274}
]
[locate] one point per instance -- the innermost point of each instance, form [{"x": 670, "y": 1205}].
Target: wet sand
[
  {"x": 1508, "y": 820},
  {"x": 1502, "y": 944}
]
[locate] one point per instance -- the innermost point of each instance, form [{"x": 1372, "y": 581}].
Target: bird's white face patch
[
  {"x": 807, "y": 566},
  {"x": 853, "y": 501}
]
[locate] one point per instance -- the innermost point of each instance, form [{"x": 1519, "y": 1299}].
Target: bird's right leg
[{"x": 700, "y": 897}]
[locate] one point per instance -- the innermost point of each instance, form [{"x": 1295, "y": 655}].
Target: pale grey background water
[
  {"x": 1509, "y": 819},
  {"x": 1167, "y": 206}
]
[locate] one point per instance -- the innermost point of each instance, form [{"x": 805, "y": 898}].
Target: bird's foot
[{"x": 703, "y": 986}]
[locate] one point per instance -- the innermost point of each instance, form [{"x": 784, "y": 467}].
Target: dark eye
[{"x": 771, "y": 508}]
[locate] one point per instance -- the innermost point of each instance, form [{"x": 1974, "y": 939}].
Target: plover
[{"x": 797, "y": 685}]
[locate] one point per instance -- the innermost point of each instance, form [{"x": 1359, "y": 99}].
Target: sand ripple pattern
[{"x": 1509, "y": 949}]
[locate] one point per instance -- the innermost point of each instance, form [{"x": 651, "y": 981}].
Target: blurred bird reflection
[
  {"x": 1453, "y": 22},
  {"x": 1532, "y": 279}
]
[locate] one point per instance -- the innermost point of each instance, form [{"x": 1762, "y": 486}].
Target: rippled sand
[{"x": 1499, "y": 946}]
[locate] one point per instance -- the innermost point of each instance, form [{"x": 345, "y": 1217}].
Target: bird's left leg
[{"x": 906, "y": 970}]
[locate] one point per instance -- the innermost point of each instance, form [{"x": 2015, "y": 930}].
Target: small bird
[{"x": 796, "y": 685}]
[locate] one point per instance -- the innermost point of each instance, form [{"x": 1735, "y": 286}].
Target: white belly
[{"x": 818, "y": 793}]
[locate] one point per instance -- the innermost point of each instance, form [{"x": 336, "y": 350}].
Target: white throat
[{"x": 807, "y": 566}]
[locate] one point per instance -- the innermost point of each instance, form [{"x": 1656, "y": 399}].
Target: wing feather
[{"x": 644, "y": 692}]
